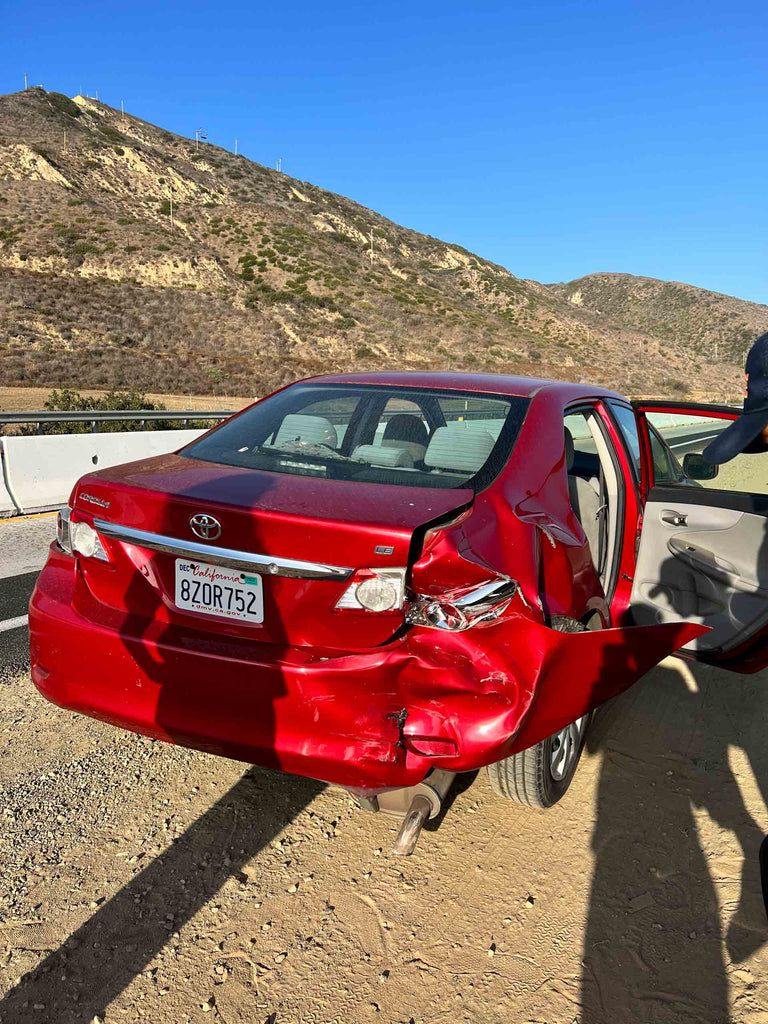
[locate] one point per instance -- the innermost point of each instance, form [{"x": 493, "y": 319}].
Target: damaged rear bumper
[{"x": 368, "y": 720}]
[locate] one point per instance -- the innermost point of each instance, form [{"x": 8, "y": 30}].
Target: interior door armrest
[{"x": 702, "y": 560}]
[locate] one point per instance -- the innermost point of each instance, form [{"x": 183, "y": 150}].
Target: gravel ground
[{"x": 143, "y": 881}]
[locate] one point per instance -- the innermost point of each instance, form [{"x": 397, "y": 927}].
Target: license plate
[{"x": 216, "y": 590}]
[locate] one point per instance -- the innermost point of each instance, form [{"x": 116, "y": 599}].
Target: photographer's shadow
[{"x": 655, "y": 931}]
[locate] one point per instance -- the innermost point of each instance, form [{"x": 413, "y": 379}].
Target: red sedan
[{"x": 366, "y": 578}]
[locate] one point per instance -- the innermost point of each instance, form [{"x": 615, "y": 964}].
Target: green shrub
[
  {"x": 119, "y": 150},
  {"x": 70, "y": 400},
  {"x": 64, "y": 104},
  {"x": 363, "y": 352},
  {"x": 112, "y": 134},
  {"x": 337, "y": 236}
]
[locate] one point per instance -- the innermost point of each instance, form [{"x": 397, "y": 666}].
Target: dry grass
[
  {"x": 34, "y": 399},
  {"x": 261, "y": 278}
]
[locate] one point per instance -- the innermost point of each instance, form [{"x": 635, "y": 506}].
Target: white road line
[
  {"x": 693, "y": 440},
  {"x": 20, "y": 620}
]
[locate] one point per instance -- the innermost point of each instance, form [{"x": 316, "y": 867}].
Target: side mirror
[{"x": 696, "y": 467}]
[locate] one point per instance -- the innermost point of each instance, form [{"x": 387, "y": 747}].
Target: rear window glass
[{"x": 373, "y": 434}]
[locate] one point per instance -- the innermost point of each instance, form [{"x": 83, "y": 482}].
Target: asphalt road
[
  {"x": 23, "y": 549},
  {"x": 15, "y": 592}
]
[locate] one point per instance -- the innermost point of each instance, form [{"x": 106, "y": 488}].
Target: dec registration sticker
[{"x": 217, "y": 590}]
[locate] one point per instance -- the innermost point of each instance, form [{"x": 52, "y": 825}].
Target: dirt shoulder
[{"x": 144, "y": 881}]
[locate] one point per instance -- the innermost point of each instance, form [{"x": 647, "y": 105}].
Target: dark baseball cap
[{"x": 742, "y": 435}]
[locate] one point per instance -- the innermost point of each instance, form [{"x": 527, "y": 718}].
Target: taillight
[
  {"x": 80, "y": 538},
  {"x": 62, "y": 530},
  {"x": 464, "y": 607},
  {"x": 86, "y": 542},
  {"x": 374, "y": 590}
]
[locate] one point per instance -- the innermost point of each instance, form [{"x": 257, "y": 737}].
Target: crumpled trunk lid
[{"x": 347, "y": 525}]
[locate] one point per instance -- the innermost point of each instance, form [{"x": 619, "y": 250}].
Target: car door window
[
  {"x": 688, "y": 435},
  {"x": 627, "y": 424},
  {"x": 666, "y": 468}
]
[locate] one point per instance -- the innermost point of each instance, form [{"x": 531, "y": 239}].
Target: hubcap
[{"x": 565, "y": 748}]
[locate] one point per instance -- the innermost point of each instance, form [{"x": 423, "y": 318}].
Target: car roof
[{"x": 498, "y": 384}]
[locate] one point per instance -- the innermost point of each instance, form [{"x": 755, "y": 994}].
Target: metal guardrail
[{"x": 96, "y": 416}]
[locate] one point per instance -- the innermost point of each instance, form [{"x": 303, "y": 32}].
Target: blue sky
[{"x": 556, "y": 138}]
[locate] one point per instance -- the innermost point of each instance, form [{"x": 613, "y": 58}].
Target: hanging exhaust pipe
[
  {"x": 426, "y": 801},
  {"x": 413, "y": 823}
]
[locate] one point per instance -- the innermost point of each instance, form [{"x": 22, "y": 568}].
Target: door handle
[{"x": 674, "y": 518}]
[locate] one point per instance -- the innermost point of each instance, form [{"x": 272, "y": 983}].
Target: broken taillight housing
[
  {"x": 464, "y": 607},
  {"x": 374, "y": 590}
]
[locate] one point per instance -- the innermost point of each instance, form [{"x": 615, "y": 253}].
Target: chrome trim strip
[{"x": 265, "y": 565}]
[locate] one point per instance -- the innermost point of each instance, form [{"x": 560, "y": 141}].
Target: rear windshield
[{"x": 373, "y": 434}]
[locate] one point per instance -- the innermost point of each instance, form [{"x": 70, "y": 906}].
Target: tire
[{"x": 541, "y": 775}]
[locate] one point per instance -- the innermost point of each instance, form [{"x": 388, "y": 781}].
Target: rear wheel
[{"x": 540, "y": 775}]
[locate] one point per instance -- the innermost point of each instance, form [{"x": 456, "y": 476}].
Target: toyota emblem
[{"x": 205, "y": 527}]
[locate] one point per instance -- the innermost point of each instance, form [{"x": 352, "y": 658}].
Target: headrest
[
  {"x": 406, "y": 427},
  {"x": 309, "y": 429},
  {"x": 461, "y": 450},
  {"x": 570, "y": 451},
  {"x": 375, "y": 455}
]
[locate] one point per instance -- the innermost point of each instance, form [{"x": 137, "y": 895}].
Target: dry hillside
[{"x": 255, "y": 278}]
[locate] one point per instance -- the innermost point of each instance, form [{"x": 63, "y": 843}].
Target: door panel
[
  {"x": 703, "y": 553},
  {"x": 701, "y": 563}
]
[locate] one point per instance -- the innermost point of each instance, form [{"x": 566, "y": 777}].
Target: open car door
[{"x": 703, "y": 552}]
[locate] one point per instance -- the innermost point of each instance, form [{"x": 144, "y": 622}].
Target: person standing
[{"x": 749, "y": 433}]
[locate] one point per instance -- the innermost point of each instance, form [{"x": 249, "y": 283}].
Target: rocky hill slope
[{"x": 131, "y": 257}]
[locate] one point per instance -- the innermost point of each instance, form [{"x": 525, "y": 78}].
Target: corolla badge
[
  {"x": 205, "y": 527},
  {"x": 94, "y": 500}
]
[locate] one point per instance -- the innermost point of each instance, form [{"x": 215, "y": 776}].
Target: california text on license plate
[{"x": 217, "y": 590}]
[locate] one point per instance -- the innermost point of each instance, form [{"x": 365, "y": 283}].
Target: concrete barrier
[
  {"x": 40, "y": 472},
  {"x": 7, "y": 504}
]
